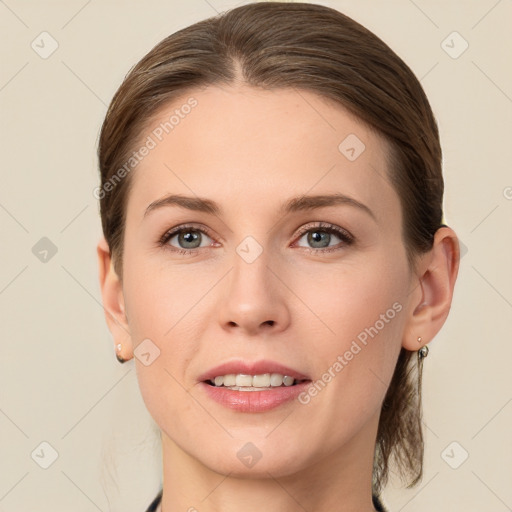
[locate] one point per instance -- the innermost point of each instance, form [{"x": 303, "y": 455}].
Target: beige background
[{"x": 59, "y": 380}]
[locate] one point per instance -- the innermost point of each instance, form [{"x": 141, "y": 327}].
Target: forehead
[{"x": 238, "y": 143}]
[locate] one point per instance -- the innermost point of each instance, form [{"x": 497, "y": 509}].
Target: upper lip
[{"x": 251, "y": 368}]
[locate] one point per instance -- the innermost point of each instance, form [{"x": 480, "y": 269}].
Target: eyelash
[
  {"x": 345, "y": 236},
  {"x": 163, "y": 242}
]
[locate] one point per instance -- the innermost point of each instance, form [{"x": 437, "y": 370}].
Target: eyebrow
[
  {"x": 190, "y": 203},
  {"x": 295, "y": 204},
  {"x": 305, "y": 203}
]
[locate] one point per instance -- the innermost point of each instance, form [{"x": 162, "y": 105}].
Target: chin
[
  {"x": 276, "y": 466},
  {"x": 254, "y": 456}
]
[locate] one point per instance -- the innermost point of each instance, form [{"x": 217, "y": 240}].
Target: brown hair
[{"x": 315, "y": 48}]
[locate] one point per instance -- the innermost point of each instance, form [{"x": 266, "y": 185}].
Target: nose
[{"x": 255, "y": 300}]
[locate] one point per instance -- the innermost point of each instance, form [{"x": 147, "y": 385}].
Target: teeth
[
  {"x": 227, "y": 380},
  {"x": 261, "y": 381},
  {"x": 243, "y": 380},
  {"x": 265, "y": 380},
  {"x": 288, "y": 381},
  {"x": 276, "y": 379}
]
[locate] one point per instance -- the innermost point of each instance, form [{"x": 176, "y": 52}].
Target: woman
[{"x": 275, "y": 258}]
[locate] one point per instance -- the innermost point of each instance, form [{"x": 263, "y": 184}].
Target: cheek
[
  {"x": 158, "y": 296},
  {"x": 344, "y": 300},
  {"x": 160, "y": 307},
  {"x": 358, "y": 324},
  {"x": 165, "y": 304}
]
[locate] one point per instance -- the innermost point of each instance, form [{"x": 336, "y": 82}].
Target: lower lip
[{"x": 254, "y": 401}]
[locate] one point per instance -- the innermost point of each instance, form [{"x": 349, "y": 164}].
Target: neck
[{"x": 339, "y": 481}]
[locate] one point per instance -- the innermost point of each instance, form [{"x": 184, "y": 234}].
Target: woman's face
[{"x": 290, "y": 253}]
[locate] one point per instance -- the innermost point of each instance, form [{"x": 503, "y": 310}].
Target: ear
[
  {"x": 432, "y": 292},
  {"x": 113, "y": 302}
]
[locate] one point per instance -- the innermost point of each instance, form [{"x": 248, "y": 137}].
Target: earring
[
  {"x": 423, "y": 351},
  {"x": 119, "y": 358}
]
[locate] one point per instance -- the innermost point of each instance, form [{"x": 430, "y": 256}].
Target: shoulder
[{"x": 154, "y": 504}]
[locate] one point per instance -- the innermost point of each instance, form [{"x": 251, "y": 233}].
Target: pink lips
[{"x": 253, "y": 401}]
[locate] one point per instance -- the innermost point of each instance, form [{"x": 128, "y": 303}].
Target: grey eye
[
  {"x": 189, "y": 239},
  {"x": 319, "y": 238}
]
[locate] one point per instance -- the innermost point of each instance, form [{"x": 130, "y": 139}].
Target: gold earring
[{"x": 119, "y": 358}]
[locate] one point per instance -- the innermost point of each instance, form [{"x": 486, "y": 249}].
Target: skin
[{"x": 250, "y": 151}]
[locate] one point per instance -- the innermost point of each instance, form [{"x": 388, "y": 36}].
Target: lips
[
  {"x": 249, "y": 399},
  {"x": 254, "y": 401},
  {"x": 251, "y": 368}
]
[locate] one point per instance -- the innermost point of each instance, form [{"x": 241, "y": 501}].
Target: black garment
[
  {"x": 376, "y": 503},
  {"x": 155, "y": 502}
]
